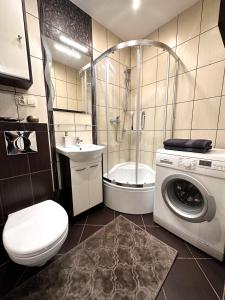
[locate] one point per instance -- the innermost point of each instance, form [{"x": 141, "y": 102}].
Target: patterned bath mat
[{"x": 120, "y": 261}]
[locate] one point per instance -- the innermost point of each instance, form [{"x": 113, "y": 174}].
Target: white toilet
[{"x": 33, "y": 235}]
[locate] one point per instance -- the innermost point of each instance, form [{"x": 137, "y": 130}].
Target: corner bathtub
[{"x": 121, "y": 192}]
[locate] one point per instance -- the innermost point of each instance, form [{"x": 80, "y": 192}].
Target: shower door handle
[{"x": 143, "y": 120}]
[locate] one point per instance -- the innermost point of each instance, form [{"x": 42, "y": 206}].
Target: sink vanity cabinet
[
  {"x": 86, "y": 181},
  {"x": 81, "y": 177}
]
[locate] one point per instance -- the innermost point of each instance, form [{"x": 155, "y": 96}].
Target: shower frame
[{"x": 138, "y": 44}]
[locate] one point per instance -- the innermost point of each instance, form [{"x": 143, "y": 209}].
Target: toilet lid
[{"x": 34, "y": 229}]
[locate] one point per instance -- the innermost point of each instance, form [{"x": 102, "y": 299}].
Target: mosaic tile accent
[{"x": 120, "y": 261}]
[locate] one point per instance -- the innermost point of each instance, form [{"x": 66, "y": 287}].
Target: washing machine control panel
[
  {"x": 195, "y": 164},
  {"x": 188, "y": 163}
]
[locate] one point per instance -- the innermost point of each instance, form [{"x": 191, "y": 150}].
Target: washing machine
[{"x": 190, "y": 197}]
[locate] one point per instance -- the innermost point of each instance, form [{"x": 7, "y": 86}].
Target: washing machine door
[{"x": 188, "y": 198}]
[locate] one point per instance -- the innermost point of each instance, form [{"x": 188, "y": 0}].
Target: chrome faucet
[{"x": 78, "y": 141}]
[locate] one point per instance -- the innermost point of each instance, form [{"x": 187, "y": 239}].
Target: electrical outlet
[{"x": 25, "y": 100}]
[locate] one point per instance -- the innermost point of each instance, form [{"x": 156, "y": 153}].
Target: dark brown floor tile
[
  {"x": 185, "y": 281},
  {"x": 89, "y": 230},
  {"x": 80, "y": 219},
  {"x": 160, "y": 295},
  {"x": 10, "y": 274},
  {"x": 170, "y": 239},
  {"x": 100, "y": 215},
  {"x": 73, "y": 238},
  {"x": 197, "y": 253},
  {"x": 215, "y": 272},
  {"x": 137, "y": 219},
  {"x": 148, "y": 220}
]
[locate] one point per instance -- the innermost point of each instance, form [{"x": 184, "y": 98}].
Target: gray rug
[{"x": 120, "y": 261}]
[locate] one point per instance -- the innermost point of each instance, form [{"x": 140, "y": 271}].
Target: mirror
[{"x": 68, "y": 75}]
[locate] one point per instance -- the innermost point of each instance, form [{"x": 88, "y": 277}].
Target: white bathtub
[{"x": 121, "y": 192}]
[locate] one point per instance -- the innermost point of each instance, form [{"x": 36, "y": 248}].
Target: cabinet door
[
  {"x": 79, "y": 178},
  {"x": 13, "y": 50},
  {"x": 95, "y": 184}
]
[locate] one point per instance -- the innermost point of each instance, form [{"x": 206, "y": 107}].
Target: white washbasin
[{"x": 82, "y": 153}]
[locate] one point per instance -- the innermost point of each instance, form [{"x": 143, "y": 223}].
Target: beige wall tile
[
  {"x": 188, "y": 54},
  {"x": 158, "y": 140},
  {"x": 182, "y": 134},
  {"x": 221, "y": 124},
  {"x": 124, "y": 156},
  {"x": 183, "y": 115},
  {"x": 7, "y": 104},
  {"x": 100, "y": 92},
  {"x": 60, "y": 71},
  {"x": 133, "y": 78},
  {"x": 150, "y": 52},
  {"x": 159, "y": 118},
  {"x": 61, "y": 90},
  {"x": 220, "y": 139},
  {"x": 186, "y": 86},
  {"x": 99, "y": 36},
  {"x": 211, "y": 47},
  {"x": 148, "y": 95},
  {"x": 31, "y": 7},
  {"x": 206, "y": 112},
  {"x": 149, "y": 118},
  {"x": 101, "y": 118},
  {"x": 38, "y": 86},
  {"x": 168, "y": 33},
  {"x": 34, "y": 36},
  {"x": 39, "y": 111},
  {"x": 71, "y": 75},
  {"x": 149, "y": 71},
  {"x": 63, "y": 117},
  {"x": 85, "y": 136},
  {"x": 209, "y": 81},
  {"x": 113, "y": 159},
  {"x": 72, "y": 104},
  {"x": 114, "y": 69},
  {"x": 146, "y": 158},
  {"x": 113, "y": 96},
  {"x": 82, "y": 119},
  {"x": 133, "y": 101},
  {"x": 113, "y": 40},
  {"x": 125, "y": 56},
  {"x": 71, "y": 91},
  {"x": 204, "y": 134},
  {"x": 147, "y": 140},
  {"x": 161, "y": 93},
  {"x": 189, "y": 23},
  {"x": 62, "y": 102},
  {"x": 210, "y": 14},
  {"x": 162, "y": 66}
]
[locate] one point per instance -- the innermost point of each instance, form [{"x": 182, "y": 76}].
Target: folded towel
[
  {"x": 187, "y": 143},
  {"x": 197, "y": 150}
]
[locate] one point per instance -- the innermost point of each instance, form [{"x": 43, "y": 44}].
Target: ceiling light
[
  {"x": 67, "y": 51},
  {"x": 72, "y": 43},
  {"x": 136, "y": 4}
]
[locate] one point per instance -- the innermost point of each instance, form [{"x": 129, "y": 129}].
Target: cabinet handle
[
  {"x": 93, "y": 166},
  {"x": 19, "y": 37},
  {"x": 78, "y": 170}
]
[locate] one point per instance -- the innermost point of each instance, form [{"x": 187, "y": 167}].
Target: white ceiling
[{"x": 119, "y": 17}]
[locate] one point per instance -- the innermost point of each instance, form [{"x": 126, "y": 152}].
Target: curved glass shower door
[{"x": 134, "y": 109}]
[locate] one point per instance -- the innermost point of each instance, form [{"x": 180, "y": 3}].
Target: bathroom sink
[{"x": 81, "y": 153}]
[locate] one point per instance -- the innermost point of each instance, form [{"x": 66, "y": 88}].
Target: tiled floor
[{"x": 194, "y": 275}]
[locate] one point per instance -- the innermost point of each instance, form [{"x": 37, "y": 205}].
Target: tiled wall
[
  {"x": 67, "y": 86},
  {"x": 25, "y": 179},
  {"x": 75, "y": 124},
  {"x": 200, "y": 109},
  {"x": 118, "y": 147}
]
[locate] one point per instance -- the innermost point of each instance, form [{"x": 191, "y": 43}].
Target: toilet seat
[{"x": 35, "y": 231}]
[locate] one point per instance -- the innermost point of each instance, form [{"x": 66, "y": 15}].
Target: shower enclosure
[{"x": 135, "y": 95}]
